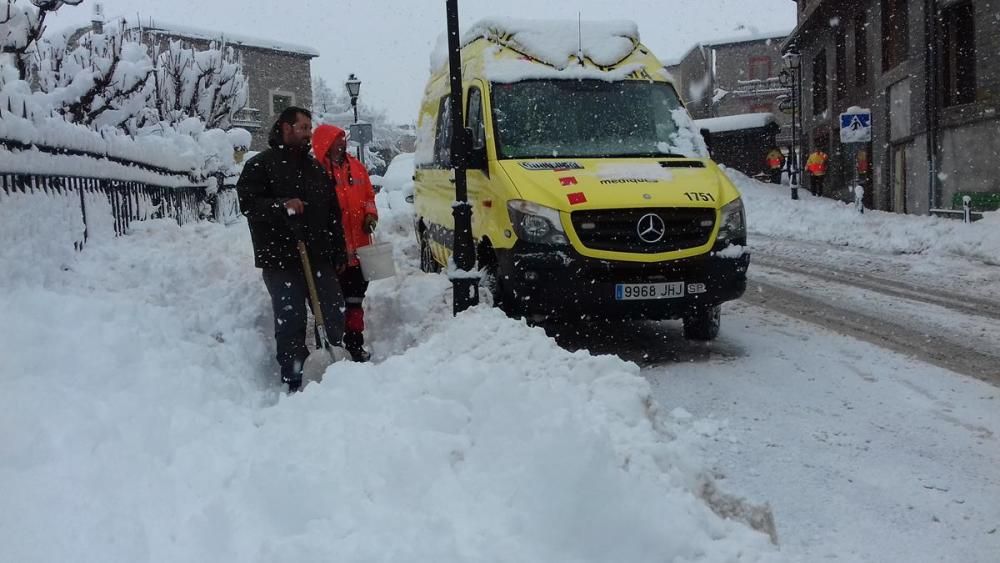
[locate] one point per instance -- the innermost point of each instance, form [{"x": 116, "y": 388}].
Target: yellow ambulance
[{"x": 593, "y": 193}]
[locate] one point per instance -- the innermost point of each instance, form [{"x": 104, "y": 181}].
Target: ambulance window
[
  {"x": 474, "y": 119},
  {"x": 442, "y": 140}
]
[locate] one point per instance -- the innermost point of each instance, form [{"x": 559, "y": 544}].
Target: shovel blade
[{"x": 318, "y": 361}]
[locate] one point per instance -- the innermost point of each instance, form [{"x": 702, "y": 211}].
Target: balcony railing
[
  {"x": 758, "y": 87},
  {"x": 248, "y": 118}
]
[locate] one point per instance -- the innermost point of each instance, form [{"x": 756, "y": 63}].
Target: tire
[
  {"x": 703, "y": 324},
  {"x": 491, "y": 281},
  {"x": 427, "y": 262}
]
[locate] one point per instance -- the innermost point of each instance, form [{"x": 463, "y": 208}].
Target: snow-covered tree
[
  {"x": 207, "y": 84},
  {"x": 21, "y": 26},
  {"x": 102, "y": 80}
]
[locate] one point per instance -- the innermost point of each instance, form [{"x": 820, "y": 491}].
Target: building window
[
  {"x": 841, "y": 52},
  {"x": 895, "y": 32},
  {"x": 760, "y": 68},
  {"x": 819, "y": 83},
  {"x": 958, "y": 54},
  {"x": 861, "y": 49},
  {"x": 280, "y": 101}
]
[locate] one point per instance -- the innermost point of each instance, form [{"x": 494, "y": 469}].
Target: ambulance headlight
[
  {"x": 733, "y": 226},
  {"x": 536, "y": 223}
]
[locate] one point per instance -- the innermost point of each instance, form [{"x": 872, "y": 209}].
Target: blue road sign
[{"x": 856, "y": 127}]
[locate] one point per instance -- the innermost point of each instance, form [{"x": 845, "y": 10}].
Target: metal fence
[{"x": 112, "y": 205}]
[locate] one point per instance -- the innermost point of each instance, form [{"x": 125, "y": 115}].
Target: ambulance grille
[{"x": 618, "y": 230}]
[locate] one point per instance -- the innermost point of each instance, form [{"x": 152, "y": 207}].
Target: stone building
[
  {"x": 928, "y": 70},
  {"x": 733, "y": 76}
]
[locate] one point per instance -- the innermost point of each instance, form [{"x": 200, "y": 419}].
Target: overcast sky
[{"x": 388, "y": 42}]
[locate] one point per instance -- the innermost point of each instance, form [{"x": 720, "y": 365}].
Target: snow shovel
[{"x": 325, "y": 353}]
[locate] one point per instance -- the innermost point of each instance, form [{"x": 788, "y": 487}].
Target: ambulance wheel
[
  {"x": 703, "y": 324},
  {"x": 427, "y": 262},
  {"x": 492, "y": 281}
]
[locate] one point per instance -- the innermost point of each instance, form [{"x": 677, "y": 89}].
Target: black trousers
[
  {"x": 354, "y": 285},
  {"x": 776, "y": 175},
  {"x": 816, "y": 183},
  {"x": 289, "y": 295}
]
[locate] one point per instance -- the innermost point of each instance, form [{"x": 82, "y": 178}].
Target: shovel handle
[{"x": 313, "y": 295}]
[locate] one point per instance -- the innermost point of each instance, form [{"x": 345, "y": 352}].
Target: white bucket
[{"x": 376, "y": 261}]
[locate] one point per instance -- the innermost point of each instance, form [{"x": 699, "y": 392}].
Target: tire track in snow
[
  {"x": 973, "y": 356},
  {"x": 934, "y": 296}
]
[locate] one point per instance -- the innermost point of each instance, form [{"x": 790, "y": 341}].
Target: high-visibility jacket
[
  {"x": 775, "y": 159},
  {"x": 863, "y": 162},
  {"x": 353, "y": 187},
  {"x": 816, "y": 165}
]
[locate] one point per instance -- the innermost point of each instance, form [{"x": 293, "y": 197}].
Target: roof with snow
[
  {"x": 753, "y": 36},
  {"x": 735, "y": 122},
  {"x": 188, "y": 32},
  {"x": 737, "y": 39}
]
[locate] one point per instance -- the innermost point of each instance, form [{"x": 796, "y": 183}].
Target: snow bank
[
  {"x": 771, "y": 211},
  {"x": 150, "y": 427}
]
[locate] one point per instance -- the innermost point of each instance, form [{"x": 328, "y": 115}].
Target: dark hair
[{"x": 289, "y": 115}]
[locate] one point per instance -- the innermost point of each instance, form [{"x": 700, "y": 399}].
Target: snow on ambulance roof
[
  {"x": 735, "y": 122},
  {"x": 189, "y": 32},
  {"x": 556, "y": 43}
]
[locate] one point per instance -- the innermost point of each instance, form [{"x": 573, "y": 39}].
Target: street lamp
[
  {"x": 353, "y": 90},
  {"x": 793, "y": 60}
]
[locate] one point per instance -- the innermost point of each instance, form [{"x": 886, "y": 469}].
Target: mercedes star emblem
[{"x": 651, "y": 228}]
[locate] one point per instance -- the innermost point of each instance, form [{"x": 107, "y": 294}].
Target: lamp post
[
  {"x": 793, "y": 60},
  {"x": 463, "y": 279},
  {"x": 354, "y": 89}
]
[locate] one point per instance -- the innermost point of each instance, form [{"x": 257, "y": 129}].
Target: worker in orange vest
[
  {"x": 775, "y": 162},
  {"x": 356, "y": 195},
  {"x": 816, "y": 167}
]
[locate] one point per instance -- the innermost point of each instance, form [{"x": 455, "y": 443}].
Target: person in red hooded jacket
[{"x": 357, "y": 204}]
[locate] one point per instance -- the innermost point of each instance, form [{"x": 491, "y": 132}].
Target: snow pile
[
  {"x": 556, "y": 43},
  {"x": 771, "y": 211},
  {"x": 150, "y": 426},
  {"x": 240, "y": 138},
  {"x": 508, "y": 71}
]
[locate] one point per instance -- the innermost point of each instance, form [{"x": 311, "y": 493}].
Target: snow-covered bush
[
  {"x": 100, "y": 80},
  {"x": 21, "y": 26},
  {"x": 208, "y": 84}
]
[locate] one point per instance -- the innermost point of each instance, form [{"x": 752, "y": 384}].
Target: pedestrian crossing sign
[{"x": 856, "y": 127}]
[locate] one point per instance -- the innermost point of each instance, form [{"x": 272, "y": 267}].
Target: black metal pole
[
  {"x": 463, "y": 278},
  {"x": 931, "y": 20},
  {"x": 793, "y": 159}
]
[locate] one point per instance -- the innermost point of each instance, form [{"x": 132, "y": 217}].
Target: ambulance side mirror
[
  {"x": 477, "y": 155},
  {"x": 707, "y": 135}
]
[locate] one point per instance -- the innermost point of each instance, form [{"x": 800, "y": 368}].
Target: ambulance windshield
[{"x": 590, "y": 119}]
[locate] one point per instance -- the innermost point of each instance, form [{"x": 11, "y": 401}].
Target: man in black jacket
[{"x": 285, "y": 194}]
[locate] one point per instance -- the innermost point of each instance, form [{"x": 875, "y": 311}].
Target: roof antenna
[{"x": 579, "y": 54}]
